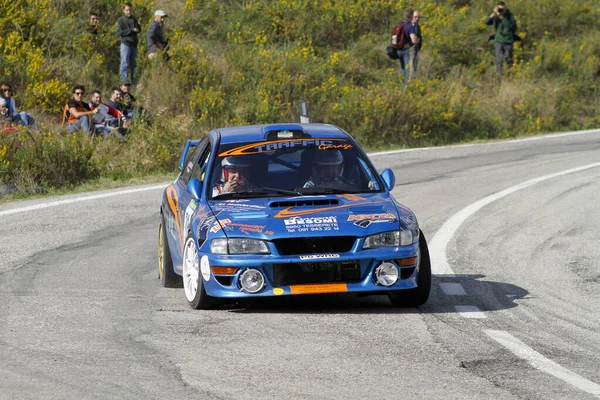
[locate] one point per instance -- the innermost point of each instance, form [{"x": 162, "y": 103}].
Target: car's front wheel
[
  {"x": 419, "y": 295},
  {"x": 193, "y": 284}
]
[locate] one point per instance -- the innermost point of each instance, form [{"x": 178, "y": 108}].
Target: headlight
[
  {"x": 239, "y": 246},
  {"x": 392, "y": 239}
]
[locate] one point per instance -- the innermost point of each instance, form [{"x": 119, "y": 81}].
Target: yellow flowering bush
[{"x": 243, "y": 62}]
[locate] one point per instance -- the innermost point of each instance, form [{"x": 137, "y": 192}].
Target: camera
[{"x": 501, "y": 10}]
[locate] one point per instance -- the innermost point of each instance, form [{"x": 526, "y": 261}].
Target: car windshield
[{"x": 291, "y": 168}]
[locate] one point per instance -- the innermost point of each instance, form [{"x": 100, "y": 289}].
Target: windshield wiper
[
  {"x": 319, "y": 190},
  {"x": 294, "y": 192},
  {"x": 262, "y": 192}
]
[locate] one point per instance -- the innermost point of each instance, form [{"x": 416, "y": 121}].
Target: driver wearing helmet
[
  {"x": 234, "y": 175},
  {"x": 327, "y": 168}
]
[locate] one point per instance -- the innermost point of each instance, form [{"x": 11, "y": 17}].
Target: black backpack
[{"x": 391, "y": 52}]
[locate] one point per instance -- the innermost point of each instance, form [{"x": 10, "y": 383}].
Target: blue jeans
[
  {"x": 81, "y": 123},
  {"x": 128, "y": 61},
  {"x": 414, "y": 60},
  {"x": 24, "y": 119},
  {"x": 404, "y": 57},
  {"x": 114, "y": 122}
]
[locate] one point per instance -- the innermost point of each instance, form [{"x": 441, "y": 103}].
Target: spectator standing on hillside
[
  {"x": 416, "y": 41},
  {"x": 22, "y": 118},
  {"x": 505, "y": 26},
  {"x": 128, "y": 28},
  {"x": 155, "y": 36},
  {"x": 402, "y": 43},
  {"x": 93, "y": 23},
  {"x": 77, "y": 113}
]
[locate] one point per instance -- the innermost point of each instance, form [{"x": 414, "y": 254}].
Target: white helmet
[{"x": 236, "y": 163}]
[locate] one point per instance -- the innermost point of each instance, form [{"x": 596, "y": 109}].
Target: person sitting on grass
[
  {"x": 77, "y": 113},
  {"x": 22, "y": 118},
  {"x": 109, "y": 119},
  {"x": 129, "y": 101},
  {"x": 6, "y": 124}
]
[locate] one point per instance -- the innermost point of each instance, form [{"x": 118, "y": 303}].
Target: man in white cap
[{"x": 155, "y": 36}]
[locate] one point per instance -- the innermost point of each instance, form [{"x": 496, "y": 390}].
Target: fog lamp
[
  {"x": 386, "y": 274},
  {"x": 252, "y": 281}
]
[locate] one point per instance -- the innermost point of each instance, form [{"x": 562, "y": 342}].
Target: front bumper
[{"x": 361, "y": 280}]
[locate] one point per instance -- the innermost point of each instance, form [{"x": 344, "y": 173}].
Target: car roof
[{"x": 249, "y": 133}]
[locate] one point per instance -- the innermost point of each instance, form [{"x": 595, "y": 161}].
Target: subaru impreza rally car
[{"x": 287, "y": 209}]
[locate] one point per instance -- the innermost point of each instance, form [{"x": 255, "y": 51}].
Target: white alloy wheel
[{"x": 191, "y": 269}]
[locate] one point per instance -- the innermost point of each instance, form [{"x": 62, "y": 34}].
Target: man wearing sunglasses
[
  {"x": 77, "y": 113},
  {"x": 21, "y": 118}
]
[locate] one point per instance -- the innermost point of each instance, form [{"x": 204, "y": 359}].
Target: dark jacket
[
  {"x": 155, "y": 37},
  {"x": 125, "y": 27},
  {"x": 505, "y": 27},
  {"x": 416, "y": 30}
]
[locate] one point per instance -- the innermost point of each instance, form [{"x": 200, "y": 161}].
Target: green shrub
[{"x": 249, "y": 62}]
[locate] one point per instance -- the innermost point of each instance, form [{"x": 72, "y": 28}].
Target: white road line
[
  {"x": 540, "y": 362},
  {"x": 437, "y": 246},
  {"x": 78, "y": 199},
  {"x": 470, "y": 312},
  {"x": 529, "y": 139},
  {"x": 452, "y": 289}
]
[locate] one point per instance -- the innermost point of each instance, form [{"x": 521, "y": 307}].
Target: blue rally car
[{"x": 287, "y": 209}]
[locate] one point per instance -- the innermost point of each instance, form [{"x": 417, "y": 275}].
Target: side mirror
[
  {"x": 194, "y": 187},
  {"x": 188, "y": 145},
  {"x": 388, "y": 178}
]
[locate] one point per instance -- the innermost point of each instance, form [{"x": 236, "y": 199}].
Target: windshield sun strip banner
[{"x": 271, "y": 146}]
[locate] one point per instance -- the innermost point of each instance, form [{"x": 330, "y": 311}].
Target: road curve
[{"x": 82, "y": 314}]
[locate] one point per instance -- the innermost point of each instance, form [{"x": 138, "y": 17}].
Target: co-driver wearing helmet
[
  {"x": 234, "y": 175},
  {"x": 327, "y": 168}
]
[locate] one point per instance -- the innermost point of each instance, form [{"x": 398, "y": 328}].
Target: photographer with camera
[{"x": 505, "y": 25}]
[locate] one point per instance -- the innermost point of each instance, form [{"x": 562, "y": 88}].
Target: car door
[
  {"x": 178, "y": 200},
  {"x": 188, "y": 207}
]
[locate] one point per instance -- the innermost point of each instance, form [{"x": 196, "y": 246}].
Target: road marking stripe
[
  {"x": 470, "y": 312},
  {"x": 437, "y": 246},
  {"x": 453, "y": 289},
  {"x": 78, "y": 199},
  {"x": 529, "y": 139},
  {"x": 542, "y": 363}
]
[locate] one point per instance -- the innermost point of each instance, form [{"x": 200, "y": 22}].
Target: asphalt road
[{"x": 515, "y": 315}]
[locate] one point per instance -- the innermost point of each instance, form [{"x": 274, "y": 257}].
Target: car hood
[{"x": 337, "y": 215}]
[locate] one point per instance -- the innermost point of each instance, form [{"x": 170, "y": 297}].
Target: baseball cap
[
  {"x": 160, "y": 13},
  {"x": 126, "y": 82}
]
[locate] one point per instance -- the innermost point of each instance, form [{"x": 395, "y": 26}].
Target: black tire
[
  {"x": 168, "y": 277},
  {"x": 202, "y": 301},
  {"x": 419, "y": 295}
]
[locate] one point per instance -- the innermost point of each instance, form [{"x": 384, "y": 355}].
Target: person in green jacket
[{"x": 506, "y": 26}]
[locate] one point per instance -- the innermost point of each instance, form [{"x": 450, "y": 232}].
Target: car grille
[
  {"x": 314, "y": 245},
  {"x": 316, "y": 272}
]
